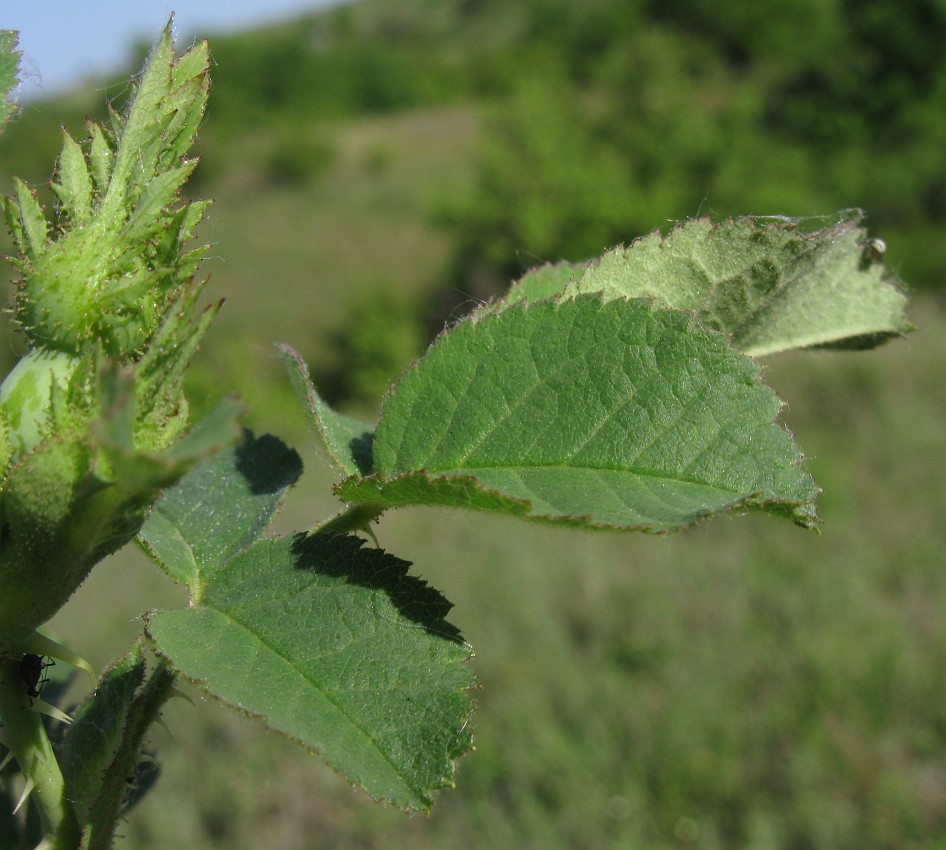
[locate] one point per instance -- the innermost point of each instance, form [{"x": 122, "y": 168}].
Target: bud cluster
[{"x": 91, "y": 418}]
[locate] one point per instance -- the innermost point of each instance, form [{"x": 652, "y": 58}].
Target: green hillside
[{"x": 380, "y": 152}]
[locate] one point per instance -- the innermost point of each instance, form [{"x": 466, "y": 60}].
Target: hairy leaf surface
[
  {"x": 770, "y": 283},
  {"x": 346, "y": 441},
  {"x": 607, "y": 414},
  {"x": 332, "y": 644},
  {"x": 9, "y": 64},
  {"x": 220, "y": 508}
]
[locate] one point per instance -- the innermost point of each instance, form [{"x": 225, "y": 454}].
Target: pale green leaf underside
[
  {"x": 770, "y": 283},
  {"x": 337, "y": 648},
  {"x": 600, "y": 413},
  {"x": 346, "y": 441}
]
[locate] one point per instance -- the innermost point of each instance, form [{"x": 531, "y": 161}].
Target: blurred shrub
[
  {"x": 627, "y": 115},
  {"x": 378, "y": 338},
  {"x": 297, "y": 156}
]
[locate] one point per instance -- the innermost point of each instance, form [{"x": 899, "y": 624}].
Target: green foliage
[
  {"x": 378, "y": 335},
  {"x": 122, "y": 224},
  {"x": 106, "y": 299},
  {"x": 615, "y": 395},
  {"x": 296, "y": 158},
  {"x": 772, "y": 285},
  {"x": 670, "y": 107},
  {"x": 334, "y": 645},
  {"x": 606, "y": 415}
]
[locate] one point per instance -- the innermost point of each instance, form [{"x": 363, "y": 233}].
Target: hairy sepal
[{"x": 113, "y": 267}]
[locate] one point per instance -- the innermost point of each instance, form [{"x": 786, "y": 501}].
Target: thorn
[
  {"x": 49, "y": 710},
  {"x": 30, "y": 785},
  {"x": 174, "y": 692},
  {"x": 42, "y": 645}
]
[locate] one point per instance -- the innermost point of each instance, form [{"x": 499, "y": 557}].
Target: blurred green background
[{"x": 380, "y": 168}]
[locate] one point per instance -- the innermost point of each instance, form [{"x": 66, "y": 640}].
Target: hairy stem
[{"x": 26, "y": 737}]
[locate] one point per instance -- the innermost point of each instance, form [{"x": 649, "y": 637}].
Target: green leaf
[
  {"x": 544, "y": 281},
  {"x": 32, "y": 220},
  {"x": 102, "y": 754},
  {"x": 98, "y": 730},
  {"x": 770, "y": 283},
  {"x": 9, "y": 65},
  {"x": 346, "y": 441},
  {"x": 219, "y": 508},
  {"x": 74, "y": 188},
  {"x": 336, "y": 647},
  {"x": 603, "y": 414},
  {"x": 100, "y": 157},
  {"x": 333, "y": 645}
]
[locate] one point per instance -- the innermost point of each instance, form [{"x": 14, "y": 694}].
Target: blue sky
[{"x": 65, "y": 40}]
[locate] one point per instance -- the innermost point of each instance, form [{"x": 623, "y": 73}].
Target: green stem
[
  {"x": 353, "y": 518},
  {"x": 26, "y": 737}
]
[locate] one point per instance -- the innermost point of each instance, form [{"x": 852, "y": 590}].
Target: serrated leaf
[
  {"x": 601, "y": 414},
  {"x": 74, "y": 188},
  {"x": 158, "y": 194},
  {"x": 162, "y": 367},
  {"x": 9, "y": 65},
  {"x": 98, "y": 730},
  {"x": 193, "y": 213},
  {"x": 219, "y": 508},
  {"x": 143, "y": 125},
  {"x": 544, "y": 281},
  {"x": 346, "y": 441},
  {"x": 770, "y": 283},
  {"x": 336, "y": 647}
]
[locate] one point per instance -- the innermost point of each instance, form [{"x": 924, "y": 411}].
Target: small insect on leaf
[{"x": 33, "y": 674}]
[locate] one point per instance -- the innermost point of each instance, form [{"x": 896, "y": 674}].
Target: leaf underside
[{"x": 771, "y": 283}]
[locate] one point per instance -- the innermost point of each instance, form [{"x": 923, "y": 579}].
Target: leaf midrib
[{"x": 322, "y": 691}]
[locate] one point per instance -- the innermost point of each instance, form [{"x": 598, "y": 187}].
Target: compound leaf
[{"x": 333, "y": 645}]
